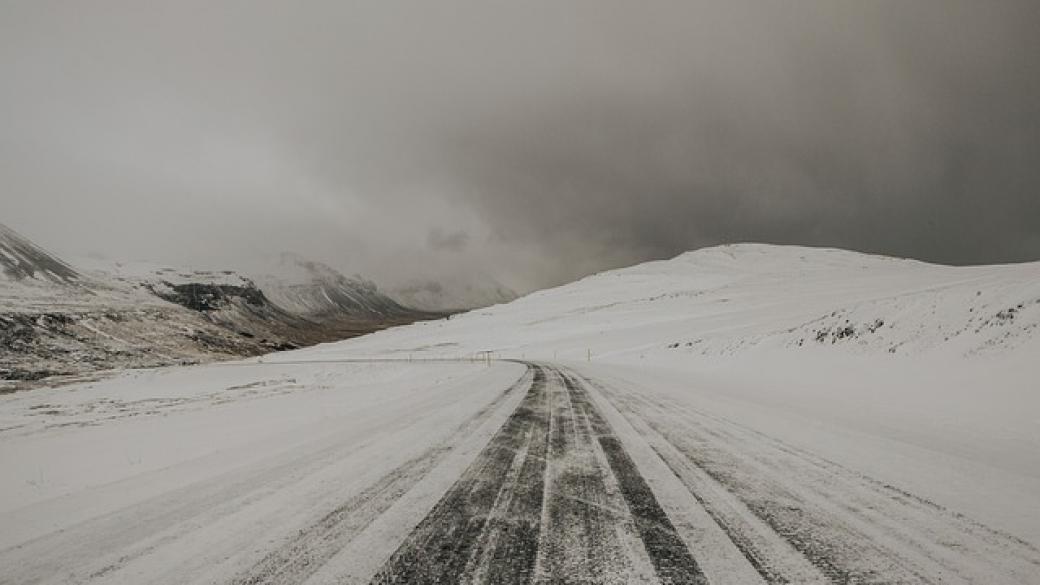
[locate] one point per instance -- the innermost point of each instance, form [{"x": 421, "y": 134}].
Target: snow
[
  {"x": 75, "y": 452},
  {"x": 722, "y": 301},
  {"x": 966, "y": 437},
  {"x": 140, "y": 272},
  {"x": 941, "y": 398},
  {"x": 921, "y": 376}
]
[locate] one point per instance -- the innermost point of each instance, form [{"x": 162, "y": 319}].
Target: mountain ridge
[{"x": 57, "y": 320}]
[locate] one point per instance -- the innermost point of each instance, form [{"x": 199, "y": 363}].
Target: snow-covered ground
[
  {"x": 230, "y": 450},
  {"x": 801, "y": 415},
  {"x": 925, "y": 374},
  {"x": 721, "y": 301}
]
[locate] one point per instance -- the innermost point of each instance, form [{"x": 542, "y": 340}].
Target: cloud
[
  {"x": 439, "y": 241},
  {"x": 533, "y": 141}
]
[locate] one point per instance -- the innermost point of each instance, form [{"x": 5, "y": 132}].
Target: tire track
[
  {"x": 104, "y": 548},
  {"x": 841, "y": 553},
  {"x": 553, "y": 498},
  {"x": 669, "y": 555},
  {"x": 586, "y": 528},
  {"x": 293, "y": 562},
  {"x": 910, "y": 506},
  {"x": 441, "y": 547},
  {"x": 853, "y": 528},
  {"x": 925, "y": 539},
  {"x": 772, "y": 557}
]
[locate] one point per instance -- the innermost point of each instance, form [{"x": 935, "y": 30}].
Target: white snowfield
[{"x": 740, "y": 414}]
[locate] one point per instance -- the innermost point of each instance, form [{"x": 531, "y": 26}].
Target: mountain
[
  {"x": 316, "y": 290},
  {"x": 224, "y": 298},
  {"x": 22, "y": 260},
  {"x": 71, "y": 321},
  {"x": 59, "y": 320},
  {"x": 727, "y": 300},
  {"x": 710, "y": 303}
]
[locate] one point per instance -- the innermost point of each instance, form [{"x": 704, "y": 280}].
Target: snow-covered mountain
[
  {"x": 27, "y": 263},
  {"x": 736, "y": 298},
  {"x": 316, "y": 290},
  {"x": 719, "y": 301},
  {"x": 56, "y": 319}
]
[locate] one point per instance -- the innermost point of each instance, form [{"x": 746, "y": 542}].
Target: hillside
[
  {"x": 731, "y": 299},
  {"x": 316, "y": 290},
  {"x": 22, "y": 261},
  {"x": 60, "y": 320}
]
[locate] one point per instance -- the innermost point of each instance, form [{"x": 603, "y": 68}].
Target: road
[{"x": 558, "y": 478}]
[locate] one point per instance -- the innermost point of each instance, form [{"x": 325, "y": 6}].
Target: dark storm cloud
[{"x": 536, "y": 141}]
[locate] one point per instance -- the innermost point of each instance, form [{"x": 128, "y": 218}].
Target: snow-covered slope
[
  {"x": 729, "y": 299},
  {"x": 55, "y": 319},
  {"x": 127, "y": 318},
  {"x": 314, "y": 289},
  {"x": 25, "y": 262}
]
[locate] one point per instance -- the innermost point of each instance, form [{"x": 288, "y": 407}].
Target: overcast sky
[{"x": 534, "y": 141}]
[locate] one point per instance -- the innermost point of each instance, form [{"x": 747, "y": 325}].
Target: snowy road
[{"x": 457, "y": 473}]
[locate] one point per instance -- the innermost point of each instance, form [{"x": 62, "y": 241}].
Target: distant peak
[{"x": 21, "y": 259}]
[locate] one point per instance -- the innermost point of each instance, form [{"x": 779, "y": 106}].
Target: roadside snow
[{"x": 76, "y": 452}]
